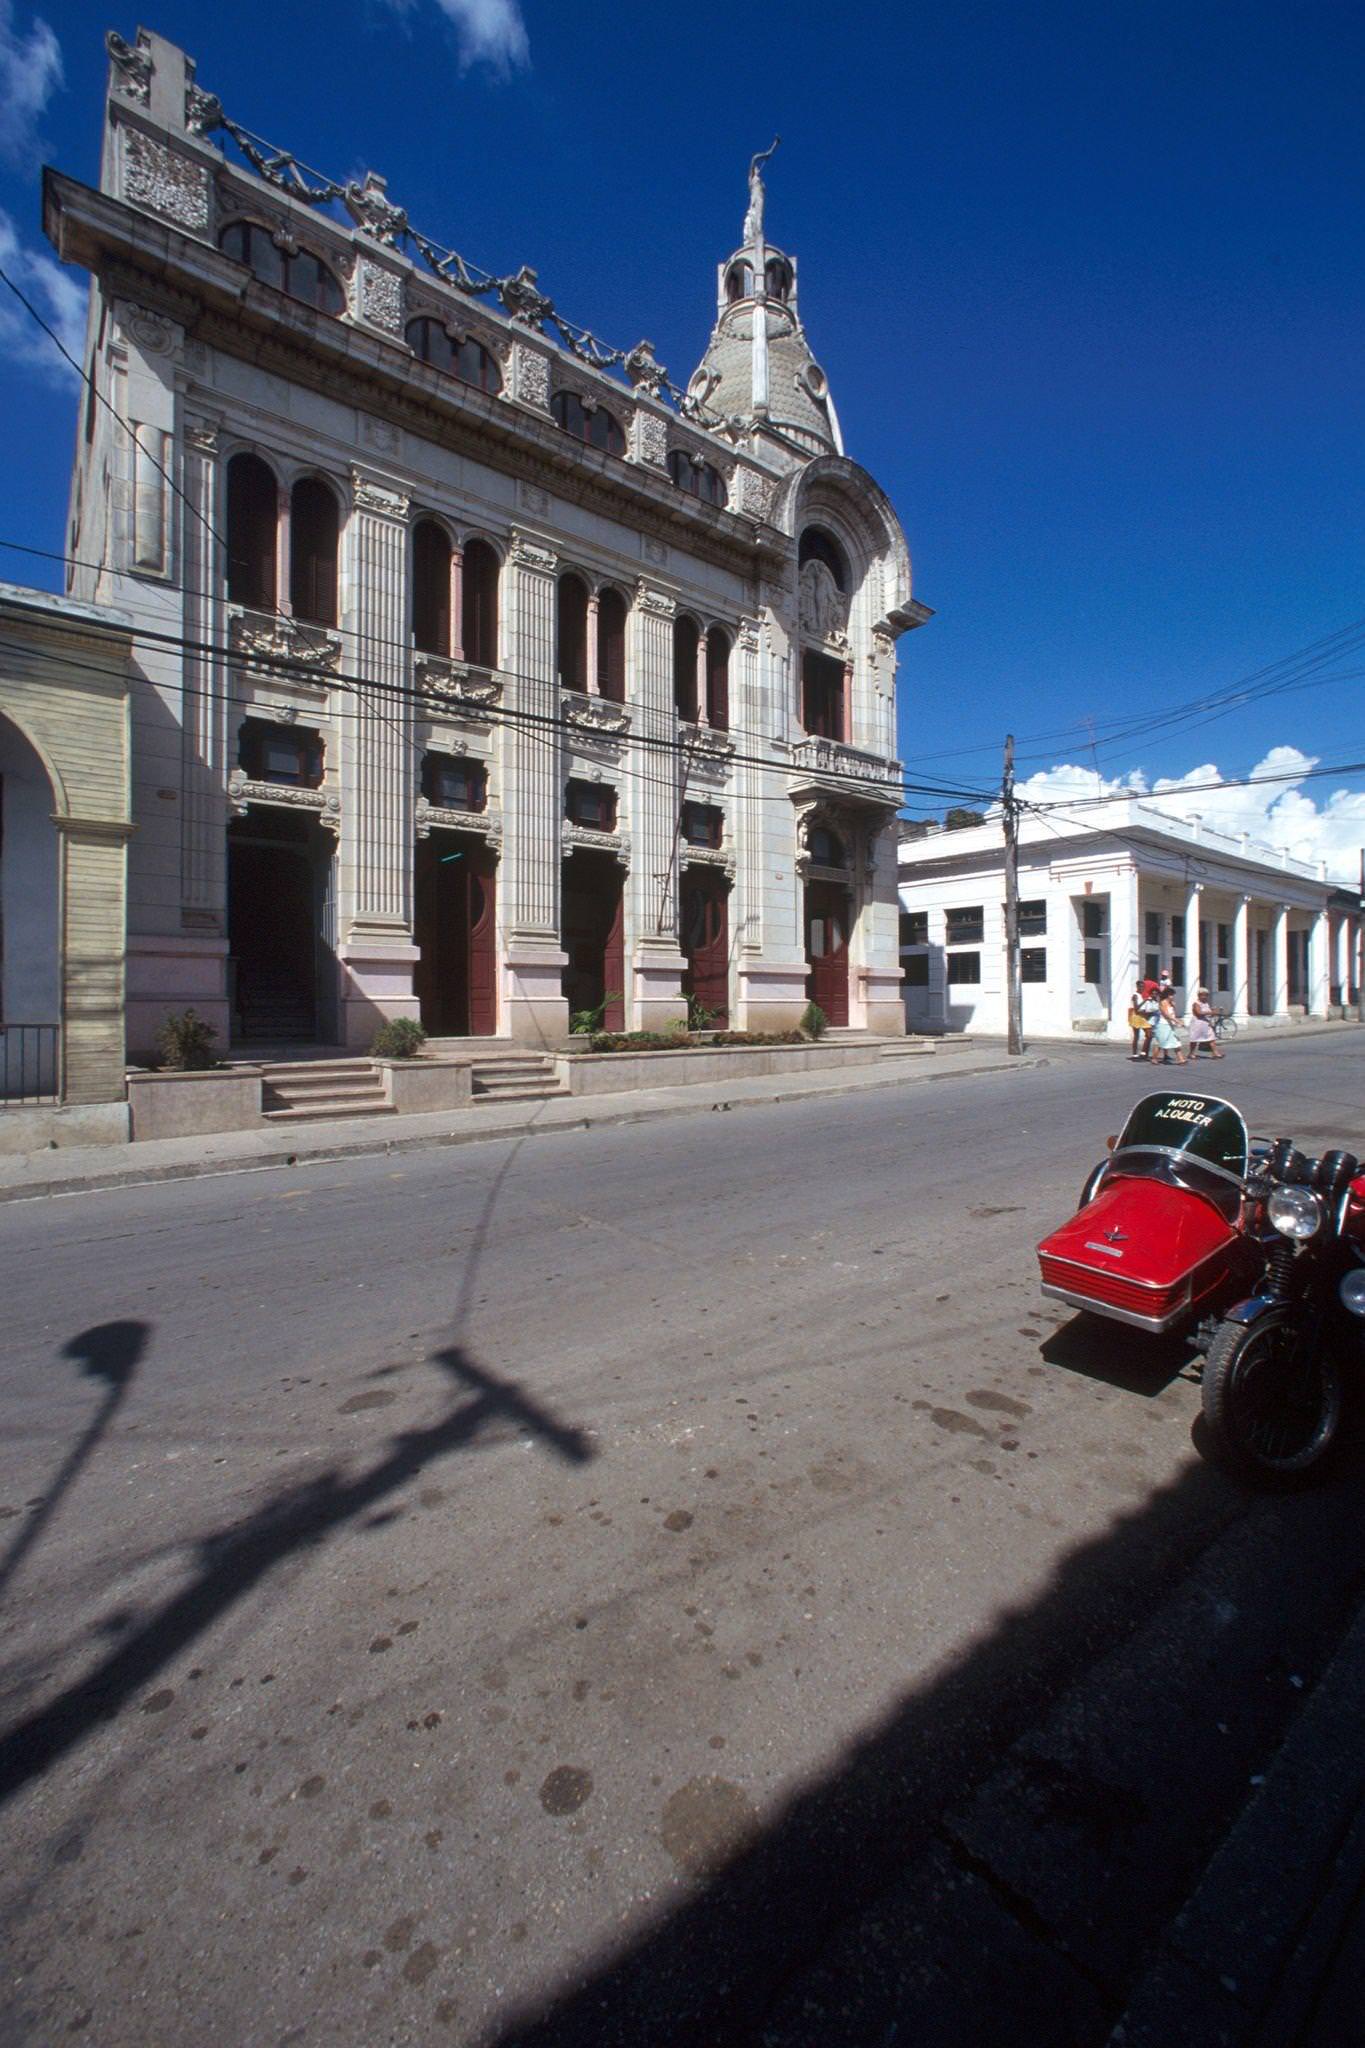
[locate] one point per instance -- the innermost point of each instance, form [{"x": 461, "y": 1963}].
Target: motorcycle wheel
[{"x": 1272, "y": 1400}]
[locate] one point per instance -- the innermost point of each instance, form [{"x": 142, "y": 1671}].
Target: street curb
[
  {"x": 1242, "y": 1960},
  {"x": 420, "y": 1141}
]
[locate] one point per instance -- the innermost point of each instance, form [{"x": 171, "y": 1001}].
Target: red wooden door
[
  {"x": 827, "y": 949},
  {"x": 706, "y": 943},
  {"x": 483, "y": 952}
]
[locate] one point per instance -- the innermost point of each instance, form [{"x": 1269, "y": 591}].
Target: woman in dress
[
  {"x": 1201, "y": 1026},
  {"x": 1165, "y": 1037}
]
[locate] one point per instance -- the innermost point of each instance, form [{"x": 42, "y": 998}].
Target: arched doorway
[
  {"x": 454, "y": 905},
  {"x": 705, "y": 941},
  {"x": 594, "y": 936},
  {"x": 30, "y": 921}
]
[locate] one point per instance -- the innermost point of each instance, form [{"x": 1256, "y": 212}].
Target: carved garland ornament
[
  {"x": 532, "y": 377},
  {"x": 369, "y": 496},
  {"x": 595, "y": 714},
  {"x": 265, "y": 642},
  {"x": 457, "y": 684},
  {"x": 647, "y": 599},
  {"x": 529, "y": 554}
]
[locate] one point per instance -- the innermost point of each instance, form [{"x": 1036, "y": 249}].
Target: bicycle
[{"x": 1224, "y": 1026}]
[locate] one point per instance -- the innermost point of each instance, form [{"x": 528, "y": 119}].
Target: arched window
[
  {"x": 699, "y": 478},
  {"x": 777, "y": 277},
  {"x": 594, "y": 425},
  {"x": 468, "y": 360},
  {"x": 572, "y": 635},
  {"x": 611, "y": 646},
  {"x": 431, "y": 588},
  {"x": 314, "y": 525},
  {"x": 819, "y": 546},
  {"x": 253, "y": 502},
  {"x": 686, "y": 640},
  {"x": 303, "y": 276},
  {"x": 479, "y": 605},
  {"x": 718, "y": 679},
  {"x": 739, "y": 282}
]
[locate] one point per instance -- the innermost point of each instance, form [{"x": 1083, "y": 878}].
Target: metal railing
[{"x": 30, "y": 1070}]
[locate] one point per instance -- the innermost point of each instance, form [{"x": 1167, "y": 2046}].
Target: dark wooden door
[
  {"x": 706, "y": 943},
  {"x": 593, "y": 936},
  {"x": 454, "y": 922},
  {"x": 827, "y": 949}
]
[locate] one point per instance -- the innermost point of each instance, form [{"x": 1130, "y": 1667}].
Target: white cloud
[
  {"x": 58, "y": 294},
  {"x": 30, "y": 72},
  {"x": 489, "y": 32},
  {"x": 1276, "y": 812}
]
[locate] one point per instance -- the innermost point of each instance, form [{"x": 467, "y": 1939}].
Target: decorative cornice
[
  {"x": 458, "y": 685},
  {"x": 243, "y": 789},
  {"x": 583, "y": 838},
  {"x": 484, "y": 824},
  {"x": 648, "y": 599},
  {"x": 704, "y": 741},
  {"x": 721, "y": 857}
]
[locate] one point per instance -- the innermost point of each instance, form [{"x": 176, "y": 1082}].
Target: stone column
[
  {"x": 1279, "y": 962},
  {"x": 204, "y": 765},
  {"x": 1240, "y": 964},
  {"x": 1193, "y": 896},
  {"x": 377, "y": 952},
  {"x": 1125, "y": 949},
  {"x": 1343, "y": 957},
  {"x": 703, "y": 716},
  {"x": 591, "y": 684},
  {"x": 533, "y": 1007},
  {"x": 1320, "y": 964},
  {"x": 656, "y": 965},
  {"x": 457, "y": 602}
]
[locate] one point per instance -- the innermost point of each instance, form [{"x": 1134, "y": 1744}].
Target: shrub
[
  {"x": 637, "y": 1041},
  {"x": 698, "y": 1016},
  {"x": 582, "y": 1022},
  {"x": 185, "y": 1042},
  {"x": 758, "y": 1038},
  {"x": 814, "y": 1022},
  {"x": 398, "y": 1038}
]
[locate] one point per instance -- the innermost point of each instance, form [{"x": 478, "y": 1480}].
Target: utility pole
[
  {"x": 1010, "y": 810},
  {"x": 1356, "y": 953}
]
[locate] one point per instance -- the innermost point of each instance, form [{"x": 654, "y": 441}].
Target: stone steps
[
  {"x": 515, "y": 1077},
  {"x": 308, "y": 1091}
]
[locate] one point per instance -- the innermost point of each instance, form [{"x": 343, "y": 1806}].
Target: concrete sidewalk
[{"x": 26, "y": 1176}]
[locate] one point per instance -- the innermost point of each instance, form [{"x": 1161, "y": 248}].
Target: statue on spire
[{"x": 753, "y": 219}]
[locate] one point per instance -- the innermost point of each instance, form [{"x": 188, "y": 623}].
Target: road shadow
[
  {"x": 231, "y": 1562},
  {"x": 995, "y": 1858},
  {"x": 1131, "y": 1360},
  {"x": 107, "y": 1353}
]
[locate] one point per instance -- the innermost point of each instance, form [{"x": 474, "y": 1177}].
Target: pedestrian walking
[
  {"x": 1165, "y": 1036},
  {"x": 1141, "y": 1018},
  {"x": 1202, "y": 1034}
]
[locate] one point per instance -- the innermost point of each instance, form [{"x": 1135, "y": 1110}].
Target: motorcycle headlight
[
  {"x": 1352, "y": 1291},
  {"x": 1294, "y": 1212}
]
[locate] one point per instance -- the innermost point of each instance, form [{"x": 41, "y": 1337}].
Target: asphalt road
[{"x": 599, "y": 1589}]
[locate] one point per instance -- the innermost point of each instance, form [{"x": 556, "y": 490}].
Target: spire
[{"x": 758, "y": 365}]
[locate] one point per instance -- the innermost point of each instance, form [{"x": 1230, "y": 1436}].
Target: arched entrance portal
[
  {"x": 705, "y": 940},
  {"x": 454, "y": 905},
  {"x": 594, "y": 937},
  {"x": 828, "y": 915},
  {"x": 281, "y": 961}
]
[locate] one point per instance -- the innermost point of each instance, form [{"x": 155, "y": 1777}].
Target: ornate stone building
[{"x": 484, "y": 674}]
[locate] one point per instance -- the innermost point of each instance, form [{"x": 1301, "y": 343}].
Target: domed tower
[{"x": 758, "y": 364}]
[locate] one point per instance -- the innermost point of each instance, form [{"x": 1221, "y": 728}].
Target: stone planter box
[
  {"x": 415, "y": 1087},
  {"x": 60, "y": 1125},
  {"x": 605, "y": 1073},
  {"x": 193, "y": 1105}
]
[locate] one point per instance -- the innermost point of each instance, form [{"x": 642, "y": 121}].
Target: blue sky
[{"x": 1088, "y": 284}]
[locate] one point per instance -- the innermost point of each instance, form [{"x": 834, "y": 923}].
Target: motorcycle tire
[{"x": 1272, "y": 1409}]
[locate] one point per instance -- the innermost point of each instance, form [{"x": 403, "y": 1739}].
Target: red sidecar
[{"x": 1158, "y": 1240}]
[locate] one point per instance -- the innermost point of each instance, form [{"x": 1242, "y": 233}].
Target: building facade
[
  {"x": 1108, "y": 895},
  {"x": 482, "y": 674},
  {"x": 65, "y": 824}
]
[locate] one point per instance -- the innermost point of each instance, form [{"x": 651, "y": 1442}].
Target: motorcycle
[{"x": 1255, "y": 1252}]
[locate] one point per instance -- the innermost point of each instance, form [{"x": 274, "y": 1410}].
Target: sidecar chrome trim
[
  {"x": 1175, "y": 1152},
  {"x": 1156, "y": 1325}
]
